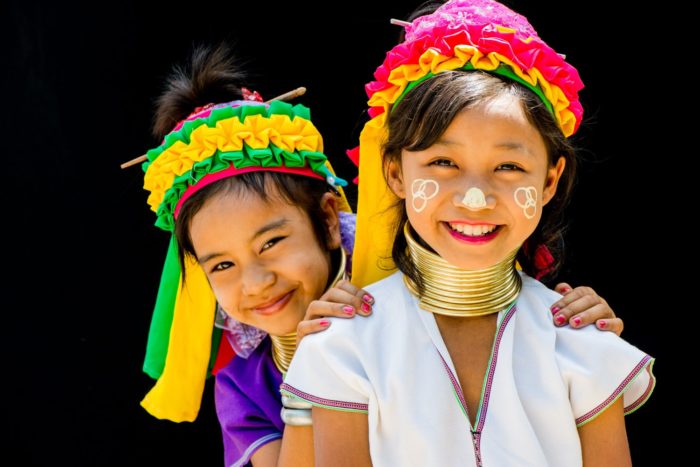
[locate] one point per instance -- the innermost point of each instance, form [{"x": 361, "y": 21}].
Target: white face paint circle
[
  {"x": 421, "y": 191},
  {"x": 526, "y": 198},
  {"x": 474, "y": 198}
]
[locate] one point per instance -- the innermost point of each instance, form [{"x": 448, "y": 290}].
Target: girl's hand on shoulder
[
  {"x": 342, "y": 301},
  {"x": 581, "y": 306}
]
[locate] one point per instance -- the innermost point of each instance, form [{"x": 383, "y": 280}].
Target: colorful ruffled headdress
[
  {"x": 460, "y": 35},
  {"x": 215, "y": 142}
]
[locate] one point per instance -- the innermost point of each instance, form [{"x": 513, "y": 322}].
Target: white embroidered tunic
[{"x": 542, "y": 381}]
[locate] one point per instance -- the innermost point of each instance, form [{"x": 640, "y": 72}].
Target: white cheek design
[
  {"x": 421, "y": 191},
  {"x": 526, "y": 198},
  {"x": 474, "y": 198}
]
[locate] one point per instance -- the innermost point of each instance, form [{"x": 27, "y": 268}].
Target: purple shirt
[{"x": 248, "y": 404}]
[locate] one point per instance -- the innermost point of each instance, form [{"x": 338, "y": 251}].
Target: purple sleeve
[
  {"x": 244, "y": 425},
  {"x": 347, "y": 235}
]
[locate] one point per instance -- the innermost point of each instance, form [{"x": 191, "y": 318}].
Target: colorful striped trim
[
  {"x": 587, "y": 417},
  {"x": 456, "y": 388},
  {"x": 486, "y": 395},
  {"x": 321, "y": 402},
  {"x": 245, "y": 458},
  {"x": 488, "y": 380},
  {"x": 646, "y": 394}
]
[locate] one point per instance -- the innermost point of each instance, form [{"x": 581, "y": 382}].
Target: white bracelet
[
  {"x": 294, "y": 403},
  {"x": 296, "y": 417}
]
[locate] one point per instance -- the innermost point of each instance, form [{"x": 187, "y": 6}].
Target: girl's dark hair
[
  {"x": 300, "y": 191},
  {"x": 212, "y": 76},
  {"x": 424, "y": 114}
]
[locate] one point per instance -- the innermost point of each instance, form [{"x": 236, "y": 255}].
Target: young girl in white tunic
[{"x": 460, "y": 365}]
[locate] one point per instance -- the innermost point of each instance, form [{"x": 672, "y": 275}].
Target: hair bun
[{"x": 211, "y": 76}]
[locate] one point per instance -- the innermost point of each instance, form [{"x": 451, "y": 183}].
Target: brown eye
[
  {"x": 269, "y": 244},
  {"x": 509, "y": 167},
  {"x": 222, "y": 266},
  {"x": 443, "y": 163}
]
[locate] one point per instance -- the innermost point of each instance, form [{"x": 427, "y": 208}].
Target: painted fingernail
[
  {"x": 368, "y": 298},
  {"x": 366, "y": 308},
  {"x": 577, "y": 321},
  {"x": 560, "y": 319},
  {"x": 602, "y": 323},
  {"x": 347, "y": 309},
  {"x": 565, "y": 290},
  {"x": 555, "y": 310},
  {"x": 324, "y": 322}
]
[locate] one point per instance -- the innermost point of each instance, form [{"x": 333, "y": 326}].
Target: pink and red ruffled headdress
[{"x": 460, "y": 35}]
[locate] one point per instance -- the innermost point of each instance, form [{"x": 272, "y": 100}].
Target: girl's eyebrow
[
  {"x": 270, "y": 226},
  {"x": 445, "y": 142},
  {"x": 513, "y": 146}
]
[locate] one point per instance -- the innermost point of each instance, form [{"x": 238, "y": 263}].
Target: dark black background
[{"x": 82, "y": 258}]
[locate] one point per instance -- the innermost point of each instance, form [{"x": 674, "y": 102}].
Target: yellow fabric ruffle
[
  {"x": 432, "y": 61},
  {"x": 177, "y": 394},
  {"x": 229, "y": 135}
]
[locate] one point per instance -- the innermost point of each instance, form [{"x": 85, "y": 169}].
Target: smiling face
[
  {"x": 491, "y": 176},
  {"x": 262, "y": 259}
]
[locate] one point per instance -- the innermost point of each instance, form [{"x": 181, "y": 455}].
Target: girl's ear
[
  {"x": 553, "y": 176},
  {"x": 394, "y": 179},
  {"x": 329, "y": 206}
]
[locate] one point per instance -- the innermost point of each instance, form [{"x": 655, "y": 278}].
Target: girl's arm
[
  {"x": 341, "y": 439},
  {"x": 604, "y": 439},
  {"x": 295, "y": 449},
  {"x": 582, "y": 306}
]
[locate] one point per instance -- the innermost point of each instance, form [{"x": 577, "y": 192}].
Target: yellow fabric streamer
[
  {"x": 375, "y": 217},
  {"x": 177, "y": 395}
]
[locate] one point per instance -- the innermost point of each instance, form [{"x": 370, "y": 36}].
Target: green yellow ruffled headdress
[
  {"x": 215, "y": 142},
  {"x": 460, "y": 35}
]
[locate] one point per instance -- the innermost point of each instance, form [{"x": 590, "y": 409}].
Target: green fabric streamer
[
  {"x": 159, "y": 333},
  {"x": 215, "y": 342}
]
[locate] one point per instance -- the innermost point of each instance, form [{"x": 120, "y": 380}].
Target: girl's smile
[
  {"x": 273, "y": 306},
  {"x": 475, "y": 233}
]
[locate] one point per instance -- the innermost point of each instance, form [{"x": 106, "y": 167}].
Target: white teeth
[{"x": 473, "y": 230}]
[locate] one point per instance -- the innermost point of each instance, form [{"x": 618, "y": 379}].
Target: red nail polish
[
  {"x": 602, "y": 323},
  {"x": 324, "y": 322},
  {"x": 347, "y": 309},
  {"x": 577, "y": 321},
  {"x": 565, "y": 290},
  {"x": 368, "y": 298},
  {"x": 560, "y": 319},
  {"x": 555, "y": 310},
  {"x": 366, "y": 308}
]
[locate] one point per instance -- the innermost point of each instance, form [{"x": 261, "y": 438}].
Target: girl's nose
[
  {"x": 256, "y": 279},
  {"x": 474, "y": 199}
]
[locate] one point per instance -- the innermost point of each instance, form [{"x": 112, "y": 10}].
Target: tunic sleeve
[
  {"x": 598, "y": 368},
  {"x": 244, "y": 425},
  {"x": 327, "y": 370}
]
